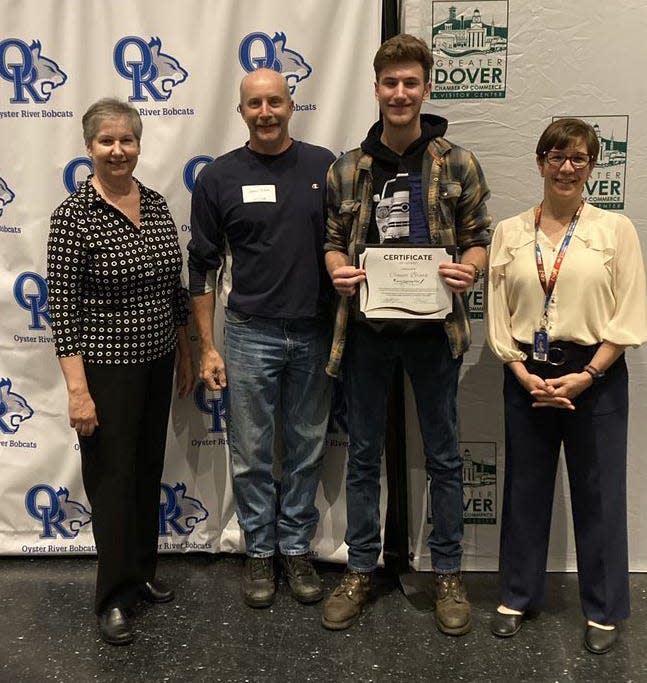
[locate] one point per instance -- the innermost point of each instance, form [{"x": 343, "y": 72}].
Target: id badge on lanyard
[
  {"x": 540, "y": 345},
  {"x": 540, "y": 341}
]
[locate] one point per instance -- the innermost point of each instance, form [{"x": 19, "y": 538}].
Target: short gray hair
[{"x": 110, "y": 108}]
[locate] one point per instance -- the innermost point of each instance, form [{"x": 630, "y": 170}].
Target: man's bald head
[
  {"x": 266, "y": 108},
  {"x": 263, "y": 75}
]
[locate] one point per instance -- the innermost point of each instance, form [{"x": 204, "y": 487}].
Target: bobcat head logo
[
  {"x": 289, "y": 63},
  {"x": 166, "y": 69},
  {"x": 257, "y": 50},
  {"x": 75, "y": 514},
  {"x": 6, "y": 195},
  {"x": 46, "y": 74},
  {"x": 179, "y": 511},
  {"x": 14, "y": 409},
  {"x": 152, "y": 73}
]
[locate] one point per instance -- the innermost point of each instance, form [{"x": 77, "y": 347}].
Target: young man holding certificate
[{"x": 407, "y": 197}]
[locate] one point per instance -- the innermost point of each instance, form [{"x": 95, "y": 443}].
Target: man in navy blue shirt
[{"x": 257, "y": 233}]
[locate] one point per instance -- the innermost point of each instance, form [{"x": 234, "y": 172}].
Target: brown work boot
[
  {"x": 453, "y": 610},
  {"x": 344, "y": 605}
]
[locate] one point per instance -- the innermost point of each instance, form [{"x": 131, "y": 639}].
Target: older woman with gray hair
[{"x": 119, "y": 316}]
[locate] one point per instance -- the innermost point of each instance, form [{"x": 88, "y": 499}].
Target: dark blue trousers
[{"x": 594, "y": 437}]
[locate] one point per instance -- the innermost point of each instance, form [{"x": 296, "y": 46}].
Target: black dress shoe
[
  {"x": 599, "y": 640},
  {"x": 506, "y": 625},
  {"x": 154, "y": 591},
  {"x": 115, "y": 627}
]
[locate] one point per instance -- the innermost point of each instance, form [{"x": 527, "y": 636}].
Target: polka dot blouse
[{"x": 115, "y": 294}]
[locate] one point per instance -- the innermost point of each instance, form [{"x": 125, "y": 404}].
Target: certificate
[{"x": 403, "y": 282}]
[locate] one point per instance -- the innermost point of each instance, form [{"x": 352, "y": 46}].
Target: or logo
[
  {"x": 606, "y": 186},
  {"x": 32, "y": 74},
  {"x": 178, "y": 512},
  {"x": 30, "y": 292},
  {"x": 192, "y": 168},
  {"x": 257, "y": 50},
  {"x": 14, "y": 408},
  {"x": 59, "y": 515},
  {"x": 148, "y": 68},
  {"x": 470, "y": 49},
  {"x": 214, "y": 406},
  {"x": 70, "y": 173},
  {"x": 6, "y": 195}
]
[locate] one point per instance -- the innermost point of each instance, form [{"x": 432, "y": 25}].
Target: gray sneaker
[
  {"x": 303, "y": 580},
  {"x": 345, "y": 603},
  {"x": 258, "y": 583}
]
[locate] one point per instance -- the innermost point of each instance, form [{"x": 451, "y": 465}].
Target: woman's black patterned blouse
[{"x": 115, "y": 293}]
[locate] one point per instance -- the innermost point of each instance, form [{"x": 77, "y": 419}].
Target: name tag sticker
[{"x": 259, "y": 193}]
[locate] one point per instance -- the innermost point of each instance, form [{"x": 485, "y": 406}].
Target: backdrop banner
[
  {"x": 180, "y": 64},
  {"x": 503, "y": 70}
]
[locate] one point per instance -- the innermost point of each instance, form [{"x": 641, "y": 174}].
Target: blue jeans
[
  {"x": 369, "y": 360},
  {"x": 275, "y": 367}
]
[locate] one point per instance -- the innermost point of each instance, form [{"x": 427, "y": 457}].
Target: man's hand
[
  {"x": 212, "y": 370},
  {"x": 346, "y": 278},
  {"x": 458, "y": 276}
]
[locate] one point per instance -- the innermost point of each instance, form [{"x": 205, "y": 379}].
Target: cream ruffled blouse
[{"x": 600, "y": 291}]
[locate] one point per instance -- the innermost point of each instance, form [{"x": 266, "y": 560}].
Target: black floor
[{"x": 48, "y": 633}]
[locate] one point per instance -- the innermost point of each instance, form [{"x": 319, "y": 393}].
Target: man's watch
[
  {"x": 594, "y": 372},
  {"x": 478, "y": 273}
]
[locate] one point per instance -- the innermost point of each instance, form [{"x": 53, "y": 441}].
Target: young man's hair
[{"x": 403, "y": 48}]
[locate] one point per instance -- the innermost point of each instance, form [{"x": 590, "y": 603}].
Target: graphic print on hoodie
[{"x": 398, "y": 213}]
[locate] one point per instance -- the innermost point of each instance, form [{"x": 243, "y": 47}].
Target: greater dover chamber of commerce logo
[
  {"x": 476, "y": 300},
  {"x": 606, "y": 186},
  {"x": 258, "y": 50},
  {"x": 470, "y": 46},
  {"x": 479, "y": 483}
]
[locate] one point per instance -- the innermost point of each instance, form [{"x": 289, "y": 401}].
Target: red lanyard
[{"x": 549, "y": 286}]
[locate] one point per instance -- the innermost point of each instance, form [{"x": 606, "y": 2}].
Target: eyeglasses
[{"x": 558, "y": 159}]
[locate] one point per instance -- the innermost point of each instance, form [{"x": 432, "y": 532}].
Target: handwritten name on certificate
[{"x": 403, "y": 282}]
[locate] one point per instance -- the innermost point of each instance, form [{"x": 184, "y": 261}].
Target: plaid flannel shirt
[{"x": 457, "y": 217}]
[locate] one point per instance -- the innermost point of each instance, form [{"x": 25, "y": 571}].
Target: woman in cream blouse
[{"x": 566, "y": 296}]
